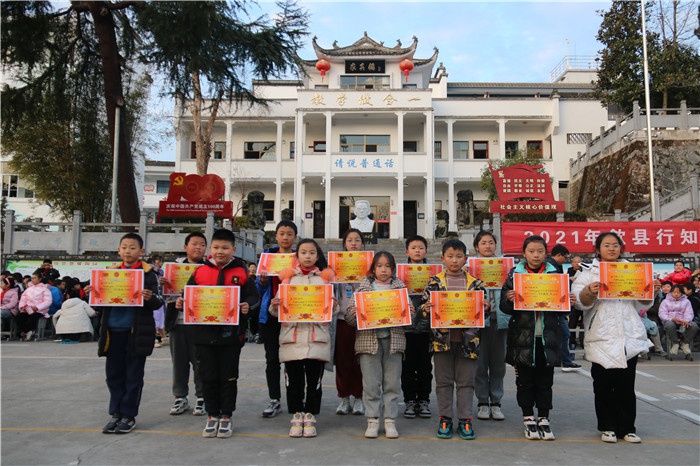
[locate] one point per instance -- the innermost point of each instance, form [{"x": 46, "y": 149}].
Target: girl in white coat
[
  {"x": 73, "y": 319},
  {"x": 615, "y": 336}
]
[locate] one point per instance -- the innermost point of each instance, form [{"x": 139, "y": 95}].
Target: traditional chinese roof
[{"x": 366, "y": 47}]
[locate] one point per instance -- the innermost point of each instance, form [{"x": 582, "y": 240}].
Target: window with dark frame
[
  {"x": 410, "y": 146},
  {"x": 437, "y": 149},
  {"x": 481, "y": 149},
  {"x": 269, "y": 210},
  {"x": 319, "y": 146},
  {"x": 193, "y": 150},
  {"x": 162, "y": 186},
  {"x": 259, "y": 150},
  {"x": 10, "y": 185},
  {"x": 511, "y": 149},
  {"x": 219, "y": 150},
  {"x": 535, "y": 148},
  {"x": 365, "y": 143},
  {"x": 291, "y": 150}
]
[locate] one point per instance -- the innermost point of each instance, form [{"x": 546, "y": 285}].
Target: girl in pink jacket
[
  {"x": 676, "y": 313},
  {"x": 33, "y": 305}
]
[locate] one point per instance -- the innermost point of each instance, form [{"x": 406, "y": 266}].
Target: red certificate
[
  {"x": 457, "y": 309},
  {"x": 306, "y": 303},
  {"x": 377, "y": 309},
  {"x": 416, "y": 276},
  {"x": 493, "y": 271},
  {"x": 541, "y": 291},
  {"x": 116, "y": 287},
  {"x": 211, "y": 305},
  {"x": 626, "y": 280},
  {"x": 177, "y": 274},
  {"x": 274, "y": 263},
  {"x": 350, "y": 266}
]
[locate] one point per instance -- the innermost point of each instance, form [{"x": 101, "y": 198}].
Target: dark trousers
[
  {"x": 615, "y": 401},
  {"x": 417, "y": 369},
  {"x": 218, "y": 370},
  {"x": 575, "y": 317},
  {"x": 27, "y": 322},
  {"x": 124, "y": 375},
  {"x": 304, "y": 373},
  {"x": 183, "y": 355},
  {"x": 348, "y": 375},
  {"x": 534, "y": 384},
  {"x": 270, "y": 333},
  {"x": 566, "y": 356}
]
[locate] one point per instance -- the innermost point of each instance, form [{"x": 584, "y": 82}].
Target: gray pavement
[{"x": 54, "y": 404}]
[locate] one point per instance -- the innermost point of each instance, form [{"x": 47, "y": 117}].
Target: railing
[
  {"x": 80, "y": 238},
  {"x": 576, "y": 62}
]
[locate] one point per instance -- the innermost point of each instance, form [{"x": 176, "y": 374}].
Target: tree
[{"x": 211, "y": 48}]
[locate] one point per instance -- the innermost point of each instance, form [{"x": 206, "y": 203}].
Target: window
[
  {"x": 461, "y": 150},
  {"x": 162, "y": 186},
  {"x": 361, "y": 83},
  {"x": 9, "y": 185},
  {"x": 511, "y": 149},
  {"x": 291, "y": 150},
  {"x": 534, "y": 148},
  {"x": 364, "y": 143},
  {"x": 409, "y": 86},
  {"x": 193, "y": 150},
  {"x": 219, "y": 151},
  {"x": 269, "y": 209},
  {"x": 437, "y": 149},
  {"x": 481, "y": 149},
  {"x": 320, "y": 86},
  {"x": 578, "y": 138},
  {"x": 319, "y": 146},
  {"x": 410, "y": 146},
  {"x": 259, "y": 150}
]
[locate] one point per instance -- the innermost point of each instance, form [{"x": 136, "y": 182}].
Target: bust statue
[{"x": 362, "y": 221}]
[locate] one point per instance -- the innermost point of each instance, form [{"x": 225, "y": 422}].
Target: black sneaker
[
  {"x": 410, "y": 411},
  {"x": 570, "y": 367},
  {"x": 126, "y": 425},
  {"x": 112, "y": 424}
]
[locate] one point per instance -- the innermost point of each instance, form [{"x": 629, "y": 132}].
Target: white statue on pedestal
[{"x": 362, "y": 221}]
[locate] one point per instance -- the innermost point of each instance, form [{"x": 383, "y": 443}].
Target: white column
[
  {"x": 329, "y": 164},
  {"x": 299, "y": 142},
  {"x": 398, "y": 219},
  {"x": 429, "y": 180},
  {"x": 278, "y": 172},
  {"x": 451, "y": 177},
  {"x": 502, "y": 138},
  {"x": 229, "y": 159}
]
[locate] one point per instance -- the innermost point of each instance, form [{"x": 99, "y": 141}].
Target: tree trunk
[
  {"x": 114, "y": 95},
  {"x": 202, "y": 145}
]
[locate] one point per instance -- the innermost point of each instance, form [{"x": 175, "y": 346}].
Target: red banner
[
  {"x": 579, "y": 237},
  {"x": 195, "y": 209}
]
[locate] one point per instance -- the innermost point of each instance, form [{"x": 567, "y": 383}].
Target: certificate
[
  {"x": 377, "y": 309},
  {"x": 416, "y": 276},
  {"x": 541, "y": 291},
  {"x": 626, "y": 280},
  {"x": 177, "y": 274},
  {"x": 493, "y": 271},
  {"x": 211, "y": 305},
  {"x": 306, "y": 303},
  {"x": 457, "y": 309},
  {"x": 116, "y": 287},
  {"x": 274, "y": 263},
  {"x": 350, "y": 266}
]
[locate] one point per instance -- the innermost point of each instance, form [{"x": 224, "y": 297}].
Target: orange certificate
[
  {"x": 177, "y": 275},
  {"x": 493, "y": 271},
  {"x": 306, "y": 303},
  {"x": 274, "y": 263},
  {"x": 541, "y": 291},
  {"x": 211, "y": 305},
  {"x": 116, "y": 287},
  {"x": 626, "y": 280},
  {"x": 416, "y": 276},
  {"x": 457, "y": 309},
  {"x": 376, "y": 309},
  {"x": 350, "y": 266}
]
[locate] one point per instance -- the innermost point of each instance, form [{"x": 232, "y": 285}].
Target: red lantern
[
  {"x": 323, "y": 66},
  {"x": 406, "y": 66}
]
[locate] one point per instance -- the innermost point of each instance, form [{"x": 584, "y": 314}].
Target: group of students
[{"x": 373, "y": 367}]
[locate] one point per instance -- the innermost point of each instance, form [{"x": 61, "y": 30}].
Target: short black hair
[
  {"x": 287, "y": 223},
  {"x": 47, "y": 261},
  {"x": 223, "y": 234},
  {"x": 349, "y": 232},
  {"x": 417, "y": 238},
  {"x": 389, "y": 257},
  {"x": 481, "y": 234},
  {"x": 134, "y": 236},
  {"x": 454, "y": 244},
  {"x": 534, "y": 239},
  {"x": 321, "y": 261},
  {"x": 559, "y": 249},
  {"x": 195, "y": 234}
]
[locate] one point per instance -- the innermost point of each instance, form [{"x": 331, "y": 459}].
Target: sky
[{"x": 495, "y": 41}]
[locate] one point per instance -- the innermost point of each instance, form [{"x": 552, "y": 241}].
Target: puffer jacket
[
  {"x": 73, "y": 317},
  {"x": 521, "y": 328},
  {"x": 10, "y": 300},
  {"x": 37, "y": 296},
  {"x": 672, "y": 308},
  {"x": 440, "y": 337},
  {"x": 304, "y": 340},
  {"x": 614, "y": 331},
  {"x": 366, "y": 341}
]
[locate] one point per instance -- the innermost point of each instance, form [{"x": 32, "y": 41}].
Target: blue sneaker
[
  {"x": 465, "y": 430},
  {"x": 445, "y": 428}
]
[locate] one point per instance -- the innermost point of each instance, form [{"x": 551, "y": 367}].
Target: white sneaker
[
  {"x": 390, "y": 428},
  {"x": 685, "y": 348},
  {"x": 484, "y": 412},
  {"x": 180, "y": 406},
  {"x": 28, "y": 337},
  {"x": 632, "y": 438},
  {"x": 199, "y": 408},
  {"x": 211, "y": 427},
  {"x": 343, "y": 407},
  {"x": 496, "y": 413},
  {"x": 544, "y": 429},
  {"x": 609, "y": 437},
  {"x": 358, "y": 408},
  {"x": 273, "y": 409},
  {"x": 531, "y": 432},
  {"x": 674, "y": 349},
  {"x": 372, "y": 430}
]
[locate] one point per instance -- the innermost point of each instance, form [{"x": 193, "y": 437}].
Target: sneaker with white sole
[
  {"x": 225, "y": 429},
  {"x": 531, "y": 431},
  {"x": 484, "y": 412},
  {"x": 570, "y": 367},
  {"x": 390, "y": 428},
  {"x": 28, "y": 336},
  {"x": 344, "y": 406},
  {"x": 608, "y": 436},
  {"x": 126, "y": 425},
  {"x": 179, "y": 406},
  {"x": 372, "y": 430},
  {"x": 112, "y": 424},
  {"x": 199, "y": 408},
  {"x": 297, "y": 429},
  {"x": 496, "y": 413},
  {"x": 273, "y": 409},
  {"x": 632, "y": 438},
  {"x": 424, "y": 409},
  {"x": 544, "y": 429},
  {"x": 358, "y": 408},
  {"x": 410, "y": 411},
  {"x": 309, "y": 425},
  {"x": 211, "y": 427}
]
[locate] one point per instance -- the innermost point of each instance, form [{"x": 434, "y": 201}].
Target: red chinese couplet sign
[{"x": 579, "y": 237}]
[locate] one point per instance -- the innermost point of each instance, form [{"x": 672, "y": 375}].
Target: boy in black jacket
[{"x": 218, "y": 347}]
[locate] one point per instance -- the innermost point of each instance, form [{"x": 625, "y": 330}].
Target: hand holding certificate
[
  {"x": 177, "y": 275},
  {"x": 274, "y": 263},
  {"x": 211, "y": 305},
  {"x": 416, "y": 276},
  {"x": 457, "y": 309},
  {"x": 306, "y": 303},
  {"x": 541, "y": 292},
  {"x": 387, "y": 308},
  {"x": 116, "y": 287},
  {"x": 626, "y": 280},
  {"x": 350, "y": 266}
]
